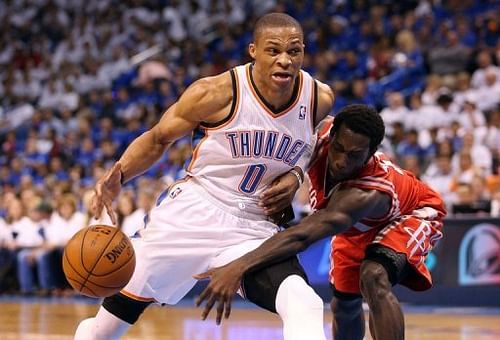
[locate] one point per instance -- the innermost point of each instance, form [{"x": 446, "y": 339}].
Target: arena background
[{"x": 79, "y": 80}]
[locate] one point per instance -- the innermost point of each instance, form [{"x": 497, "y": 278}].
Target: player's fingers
[
  {"x": 96, "y": 207},
  {"x": 110, "y": 211},
  {"x": 220, "y": 310},
  {"x": 273, "y": 190},
  {"x": 202, "y": 297},
  {"x": 208, "y": 307},
  {"x": 228, "y": 309},
  {"x": 277, "y": 199}
]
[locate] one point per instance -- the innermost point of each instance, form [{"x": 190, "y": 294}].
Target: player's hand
[
  {"x": 106, "y": 190},
  {"x": 224, "y": 283},
  {"x": 279, "y": 194}
]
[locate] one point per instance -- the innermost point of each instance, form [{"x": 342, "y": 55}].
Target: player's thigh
[
  {"x": 177, "y": 242},
  {"x": 261, "y": 286},
  {"x": 347, "y": 254}
]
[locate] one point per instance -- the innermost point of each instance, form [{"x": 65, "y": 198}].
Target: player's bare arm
[
  {"x": 326, "y": 98},
  {"x": 347, "y": 206},
  {"x": 207, "y": 100}
]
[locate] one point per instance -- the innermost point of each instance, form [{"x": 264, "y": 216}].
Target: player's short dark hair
[
  {"x": 272, "y": 20},
  {"x": 362, "y": 119}
]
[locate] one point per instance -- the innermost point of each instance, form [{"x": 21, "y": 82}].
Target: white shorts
[{"x": 187, "y": 234}]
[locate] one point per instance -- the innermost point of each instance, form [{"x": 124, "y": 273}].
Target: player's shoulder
[
  {"x": 215, "y": 85},
  {"x": 325, "y": 98},
  {"x": 325, "y": 91},
  {"x": 210, "y": 93}
]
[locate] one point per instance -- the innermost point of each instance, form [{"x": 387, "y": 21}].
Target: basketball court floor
[{"x": 36, "y": 318}]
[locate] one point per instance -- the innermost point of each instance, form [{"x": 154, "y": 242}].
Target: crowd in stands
[{"x": 79, "y": 80}]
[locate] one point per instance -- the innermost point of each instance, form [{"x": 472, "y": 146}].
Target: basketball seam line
[
  {"x": 98, "y": 257},
  {"x": 83, "y": 277},
  {"x": 92, "y": 291},
  {"x": 123, "y": 265},
  {"x": 74, "y": 269}
]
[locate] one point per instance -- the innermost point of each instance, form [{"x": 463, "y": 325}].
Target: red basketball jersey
[{"x": 407, "y": 192}]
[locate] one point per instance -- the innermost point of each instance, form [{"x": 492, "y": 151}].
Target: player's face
[
  {"x": 278, "y": 55},
  {"x": 348, "y": 153}
]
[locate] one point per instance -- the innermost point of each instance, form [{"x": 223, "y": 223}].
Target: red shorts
[{"x": 410, "y": 235}]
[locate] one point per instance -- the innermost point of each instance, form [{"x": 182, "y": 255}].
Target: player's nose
[{"x": 284, "y": 60}]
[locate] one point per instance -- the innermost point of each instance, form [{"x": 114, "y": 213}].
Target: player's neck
[{"x": 275, "y": 97}]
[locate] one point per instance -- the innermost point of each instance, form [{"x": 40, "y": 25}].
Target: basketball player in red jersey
[
  {"x": 253, "y": 130},
  {"x": 385, "y": 221}
]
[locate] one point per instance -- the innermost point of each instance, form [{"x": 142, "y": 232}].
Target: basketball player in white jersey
[{"x": 253, "y": 134}]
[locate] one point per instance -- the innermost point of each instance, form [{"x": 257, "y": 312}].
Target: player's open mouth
[{"x": 282, "y": 77}]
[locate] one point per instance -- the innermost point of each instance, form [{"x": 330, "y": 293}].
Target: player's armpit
[{"x": 326, "y": 98}]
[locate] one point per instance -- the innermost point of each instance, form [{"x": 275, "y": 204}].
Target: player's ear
[{"x": 251, "y": 50}]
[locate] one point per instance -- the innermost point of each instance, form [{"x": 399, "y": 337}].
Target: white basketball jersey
[{"x": 236, "y": 160}]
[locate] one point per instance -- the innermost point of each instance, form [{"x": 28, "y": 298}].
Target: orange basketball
[{"x": 99, "y": 261}]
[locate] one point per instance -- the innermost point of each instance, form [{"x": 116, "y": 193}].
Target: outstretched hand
[
  {"x": 280, "y": 194},
  {"x": 107, "y": 189},
  {"x": 224, "y": 283}
]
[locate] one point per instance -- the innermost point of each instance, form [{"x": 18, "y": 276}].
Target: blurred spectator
[
  {"x": 481, "y": 155},
  {"x": 485, "y": 64},
  {"x": 466, "y": 171},
  {"x": 27, "y": 232},
  {"x": 489, "y": 94},
  {"x": 439, "y": 176},
  {"x": 470, "y": 117},
  {"x": 468, "y": 201},
  {"x": 64, "y": 222},
  {"x": 449, "y": 58},
  {"x": 396, "y": 111},
  {"x": 410, "y": 147}
]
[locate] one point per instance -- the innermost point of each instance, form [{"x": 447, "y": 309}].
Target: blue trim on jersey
[
  {"x": 198, "y": 135},
  {"x": 162, "y": 196}
]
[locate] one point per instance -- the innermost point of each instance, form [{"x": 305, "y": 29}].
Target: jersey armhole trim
[
  {"x": 234, "y": 103},
  {"x": 314, "y": 105}
]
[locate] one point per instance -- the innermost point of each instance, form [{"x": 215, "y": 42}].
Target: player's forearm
[
  {"x": 140, "y": 155},
  {"x": 294, "y": 240}
]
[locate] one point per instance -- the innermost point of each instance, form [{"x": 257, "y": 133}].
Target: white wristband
[{"x": 299, "y": 177}]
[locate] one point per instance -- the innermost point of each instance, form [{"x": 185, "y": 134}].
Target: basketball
[{"x": 98, "y": 261}]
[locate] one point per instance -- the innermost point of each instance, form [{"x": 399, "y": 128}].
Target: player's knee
[
  {"x": 346, "y": 310},
  {"x": 374, "y": 281},
  {"x": 297, "y": 297}
]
